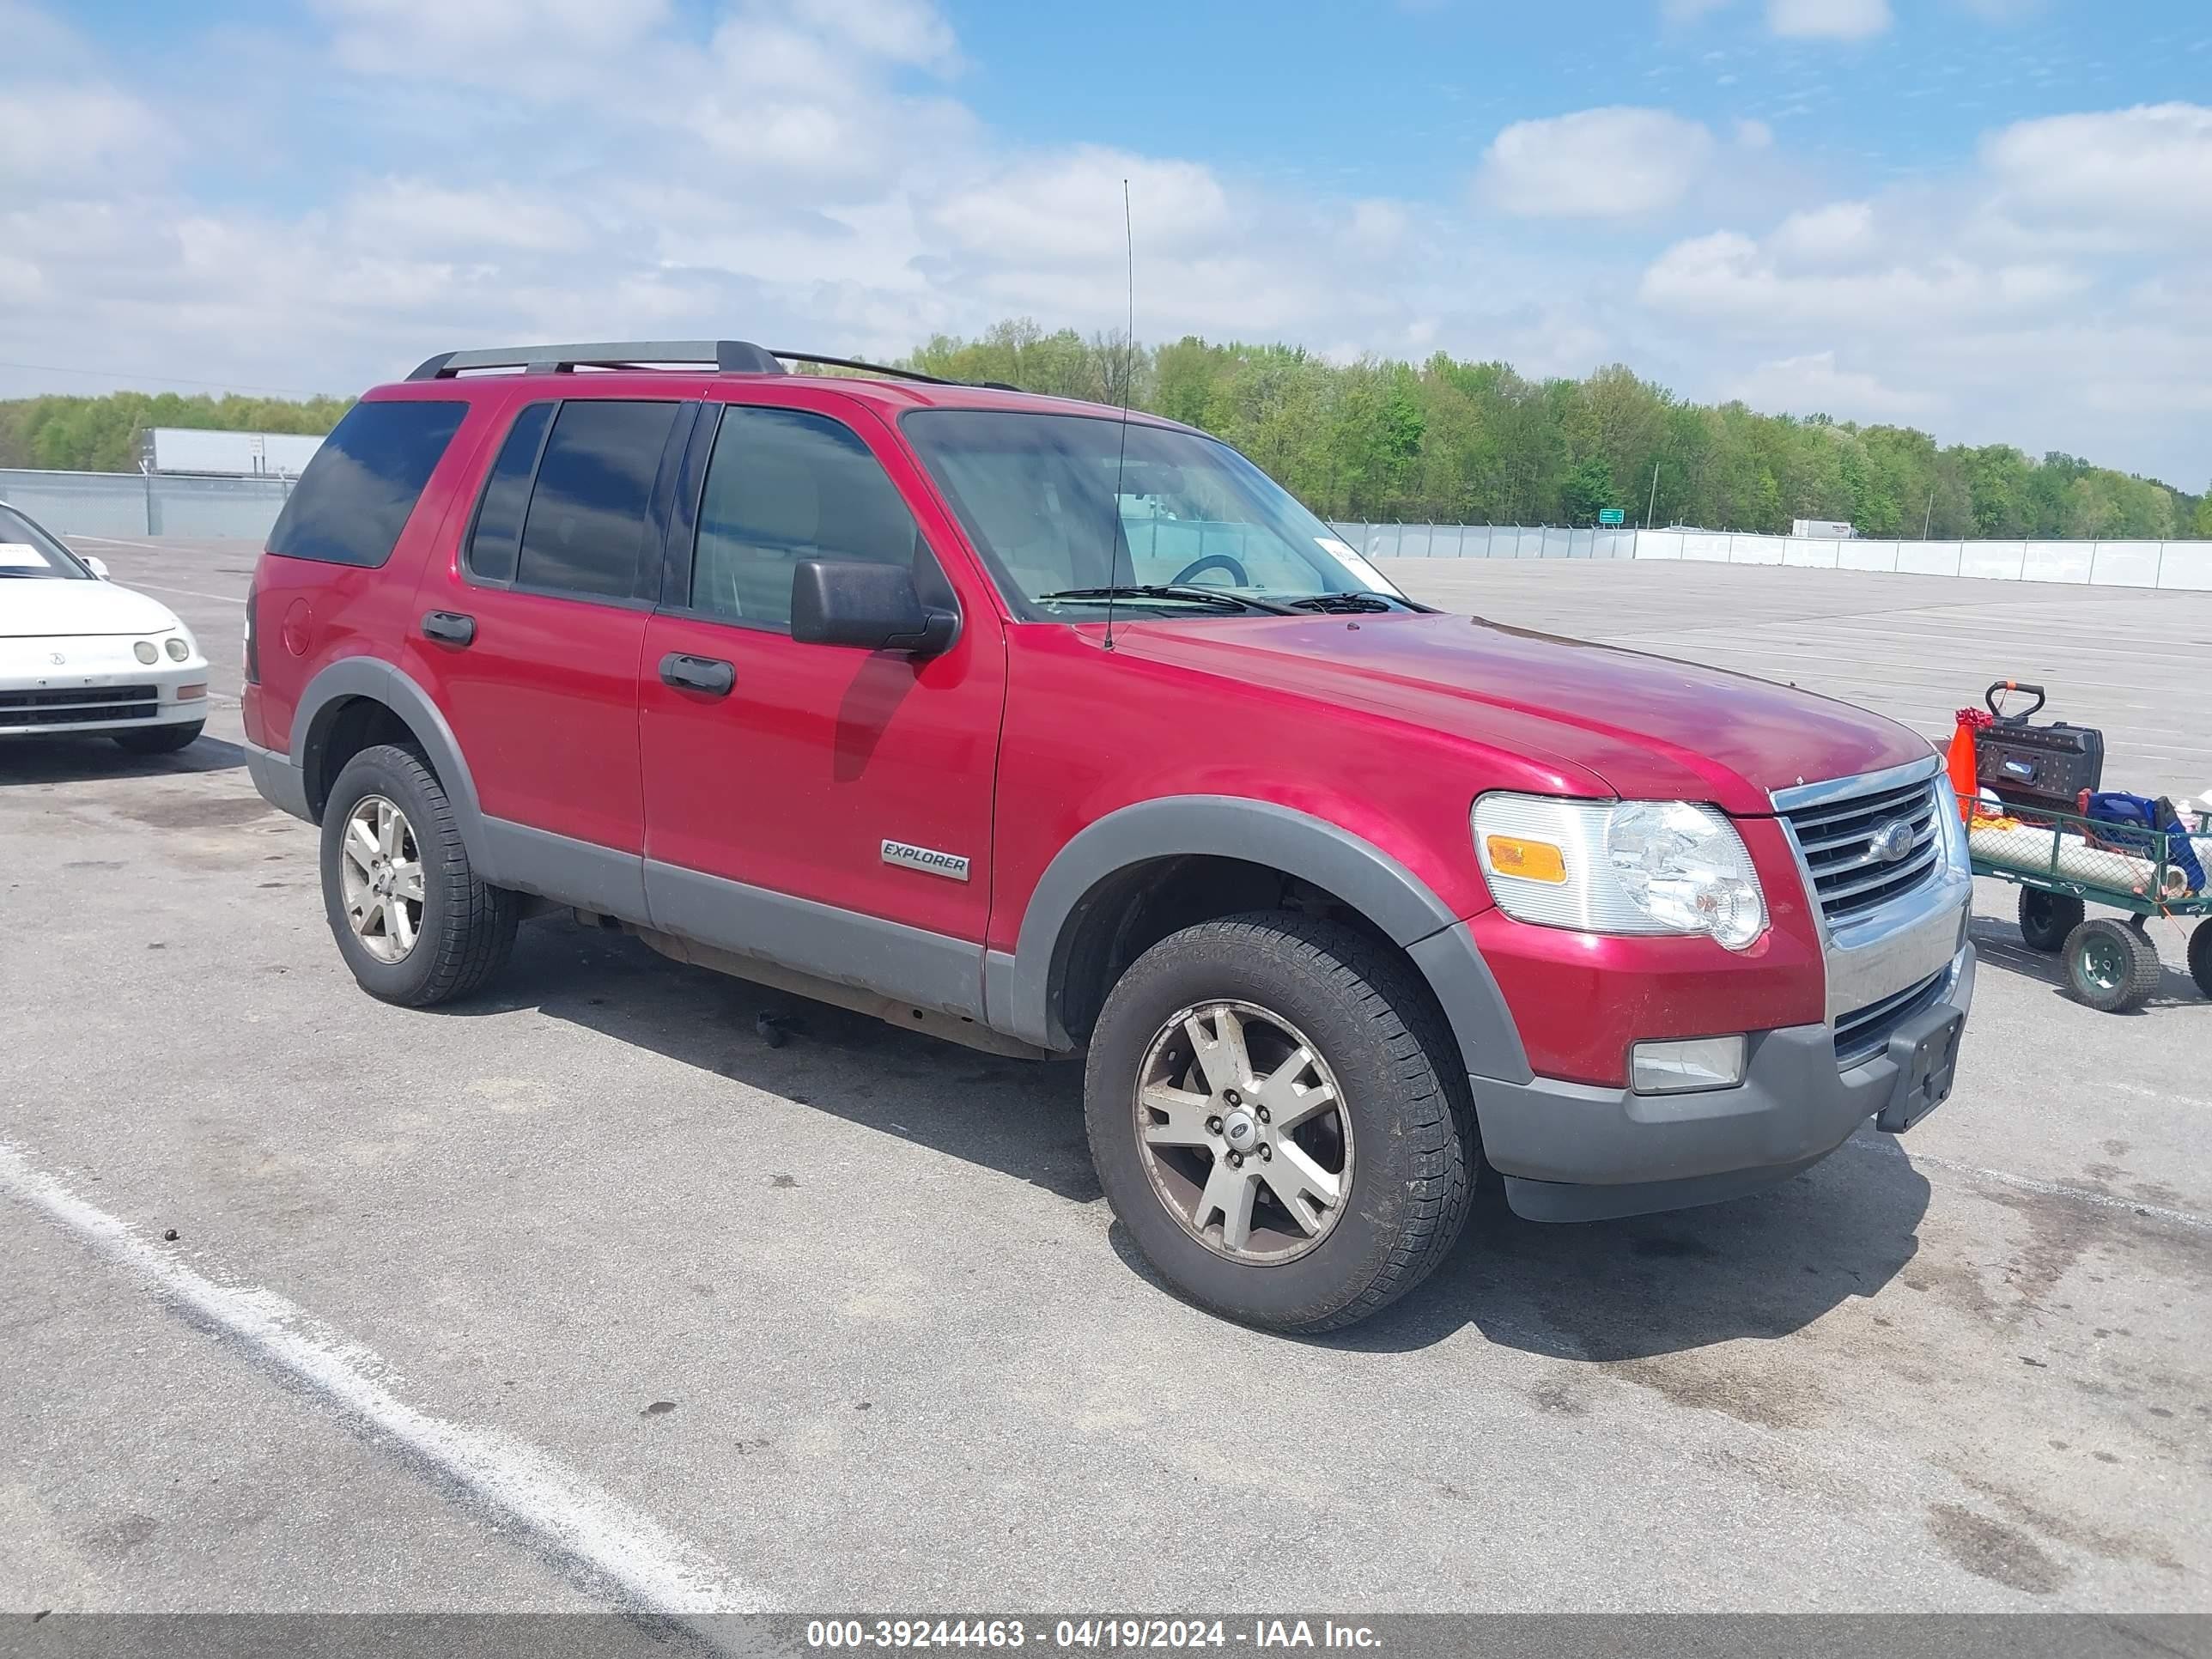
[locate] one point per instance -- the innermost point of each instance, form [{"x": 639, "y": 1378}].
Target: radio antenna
[{"x": 1129, "y": 389}]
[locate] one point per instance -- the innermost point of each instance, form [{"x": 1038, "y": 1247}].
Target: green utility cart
[{"x": 2061, "y": 863}]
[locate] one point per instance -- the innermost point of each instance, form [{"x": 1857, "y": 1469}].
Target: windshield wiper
[{"x": 1173, "y": 590}]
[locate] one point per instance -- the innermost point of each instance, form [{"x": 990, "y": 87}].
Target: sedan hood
[
  {"x": 1629, "y": 723},
  {"x": 40, "y": 606}
]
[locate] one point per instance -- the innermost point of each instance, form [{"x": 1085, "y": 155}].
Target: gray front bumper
[{"x": 1571, "y": 1152}]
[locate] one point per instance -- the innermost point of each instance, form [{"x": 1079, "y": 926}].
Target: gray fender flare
[
  {"x": 1018, "y": 989},
  {"x": 391, "y": 685}
]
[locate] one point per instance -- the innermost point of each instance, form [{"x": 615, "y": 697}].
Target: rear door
[
  {"x": 533, "y": 630},
  {"x": 823, "y": 806}
]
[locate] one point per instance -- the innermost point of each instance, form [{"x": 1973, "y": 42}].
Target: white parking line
[
  {"x": 194, "y": 592},
  {"x": 643, "y": 1561},
  {"x": 111, "y": 541}
]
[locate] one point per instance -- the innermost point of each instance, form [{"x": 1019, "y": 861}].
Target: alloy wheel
[
  {"x": 1243, "y": 1132},
  {"x": 381, "y": 869}
]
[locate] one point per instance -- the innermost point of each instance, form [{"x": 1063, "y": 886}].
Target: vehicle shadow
[
  {"x": 1999, "y": 945},
  {"x": 1761, "y": 1266},
  {"x": 91, "y": 758},
  {"x": 1019, "y": 1117}
]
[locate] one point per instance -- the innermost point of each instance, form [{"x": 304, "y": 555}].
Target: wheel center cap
[{"x": 1241, "y": 1130}]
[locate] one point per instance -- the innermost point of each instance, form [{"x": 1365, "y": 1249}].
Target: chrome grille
[
  {"x": 1863, "y": 1034},
  {"x": 78, "y": 705},
  {"x": 1836, "y": 836}
]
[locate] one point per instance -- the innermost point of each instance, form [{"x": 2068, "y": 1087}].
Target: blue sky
[{"x": 1990, "y": 218}]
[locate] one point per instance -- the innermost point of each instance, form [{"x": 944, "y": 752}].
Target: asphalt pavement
[{"x": 582, "y": 1295}]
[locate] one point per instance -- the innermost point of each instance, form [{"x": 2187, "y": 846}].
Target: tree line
[
  {"x": 1444, "y": 440},
  {"x": 1452, "y": 441},
  {"x": 100, "y": 435}
]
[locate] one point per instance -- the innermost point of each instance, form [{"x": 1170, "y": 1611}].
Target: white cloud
[
  {"x": 1841, "y": 234},
  {"x": 1813, "y": 385},
  {"x": 1746, "y": 286},
  {"x": 2131, "y": 175},
  {"x": 1066, "y": 209},
  {"x": 504, "y": 43},
  {"x": 1825, "y": 20},
  {"x": 1828, "y": 20},
  {"x": 68, "y": 135},
  {"x": 418, "y": 215},
  {"x": 1611, "y": 163}
]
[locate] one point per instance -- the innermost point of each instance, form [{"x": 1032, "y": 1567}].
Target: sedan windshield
[
  {"x": 27, "y": 551},
  {"x": 1073, "y": 512}
]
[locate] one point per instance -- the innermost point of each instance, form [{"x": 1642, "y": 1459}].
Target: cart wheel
[
  {"x": 2200, "y": 957},
  {"x": 2046, "y": 918},
  {"x": 2112, "y": 967}
]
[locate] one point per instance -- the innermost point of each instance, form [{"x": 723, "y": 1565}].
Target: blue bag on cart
[{"x": 2134, "y": 824}]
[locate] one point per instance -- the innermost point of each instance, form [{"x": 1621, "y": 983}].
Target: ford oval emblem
[{"x": 1890, "y": 842}]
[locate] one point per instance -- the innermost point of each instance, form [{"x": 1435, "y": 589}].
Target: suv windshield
[
  {"x": 1194, "y": 530},
  {"x": 27, "y": 551}
]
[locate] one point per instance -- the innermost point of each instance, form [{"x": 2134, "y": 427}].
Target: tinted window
[
  {"x": 354, "y": 498},
  {"x": 782, "y": 486},
  {"x": 498, "y": 530},
  {"x": 587, "y": 515}
]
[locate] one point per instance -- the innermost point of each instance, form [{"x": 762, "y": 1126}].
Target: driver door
[{"x": 775, "y": 795}]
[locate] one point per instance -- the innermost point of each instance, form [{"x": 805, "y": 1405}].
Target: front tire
[
  {"x": 412, "y": 919},
  {"x": 1280, "y": 1119},
  {"x": 160, "y": 739}
]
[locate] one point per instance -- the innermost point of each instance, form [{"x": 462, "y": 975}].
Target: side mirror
[
  {"x": 98, "y": 567},
  {"x": 875, "y": 606}
]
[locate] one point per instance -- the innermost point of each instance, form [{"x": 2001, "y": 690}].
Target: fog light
[
  {"x": 1670, "y": 1068},
  {"x": 192, "y": 693},
  {"x": 144, "y": 651},
  {"x": 177, "y": 649}
]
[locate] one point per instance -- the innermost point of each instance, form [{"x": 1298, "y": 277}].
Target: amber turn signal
[{"x": 1531, "y": 860}]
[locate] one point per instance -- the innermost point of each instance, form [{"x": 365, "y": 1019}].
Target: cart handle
[{"x": 1990, "y": 697}]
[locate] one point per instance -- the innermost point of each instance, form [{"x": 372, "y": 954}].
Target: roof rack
[
  {"x": 726, "y": 356},
  {"x": 729, "y": 356}
]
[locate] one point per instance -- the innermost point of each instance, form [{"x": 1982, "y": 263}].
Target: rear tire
[
  {"x": 1394, "y": 1152},
  {"x": 2046, "y": 918},
  {"x": 2111, "y": 966},
  {"x": 2200, "y": 956},
  {"x": 413, "y": 921},
  {"x": 160, "y": 739}
]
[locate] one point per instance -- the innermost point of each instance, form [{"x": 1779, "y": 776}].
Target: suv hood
[
  {"x": 36, "y": 607},
  {"x": 1634, "y": 725}
]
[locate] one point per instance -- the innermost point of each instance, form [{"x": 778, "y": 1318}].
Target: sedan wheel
[{"x": 382, "y": 875}]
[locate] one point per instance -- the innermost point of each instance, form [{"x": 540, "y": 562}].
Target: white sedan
[{"x": 79, "y": 654}]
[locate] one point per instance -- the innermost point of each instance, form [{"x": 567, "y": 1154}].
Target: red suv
[{"x": 1048, "y": 729}]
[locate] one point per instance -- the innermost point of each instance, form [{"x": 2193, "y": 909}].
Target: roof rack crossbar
[
  {"x": 729, "y": 356},
  {"x": 872, "y": 368}
]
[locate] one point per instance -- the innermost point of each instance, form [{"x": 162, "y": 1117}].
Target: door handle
[
  {"x": 449, "y": 628},
  {"x": 708, "y": 674}
]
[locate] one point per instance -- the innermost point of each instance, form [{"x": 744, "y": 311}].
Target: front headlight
[
  {"x": 178, "y": 645},
  {"x": 1629, "y": 866}
]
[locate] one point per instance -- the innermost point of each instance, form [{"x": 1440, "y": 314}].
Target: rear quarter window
[{"x": 355, "y": 496}]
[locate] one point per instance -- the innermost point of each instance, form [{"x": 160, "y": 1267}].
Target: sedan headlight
[
  {"x": 178, "y": 646},
  {"x": 1629, "y": 866}
]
